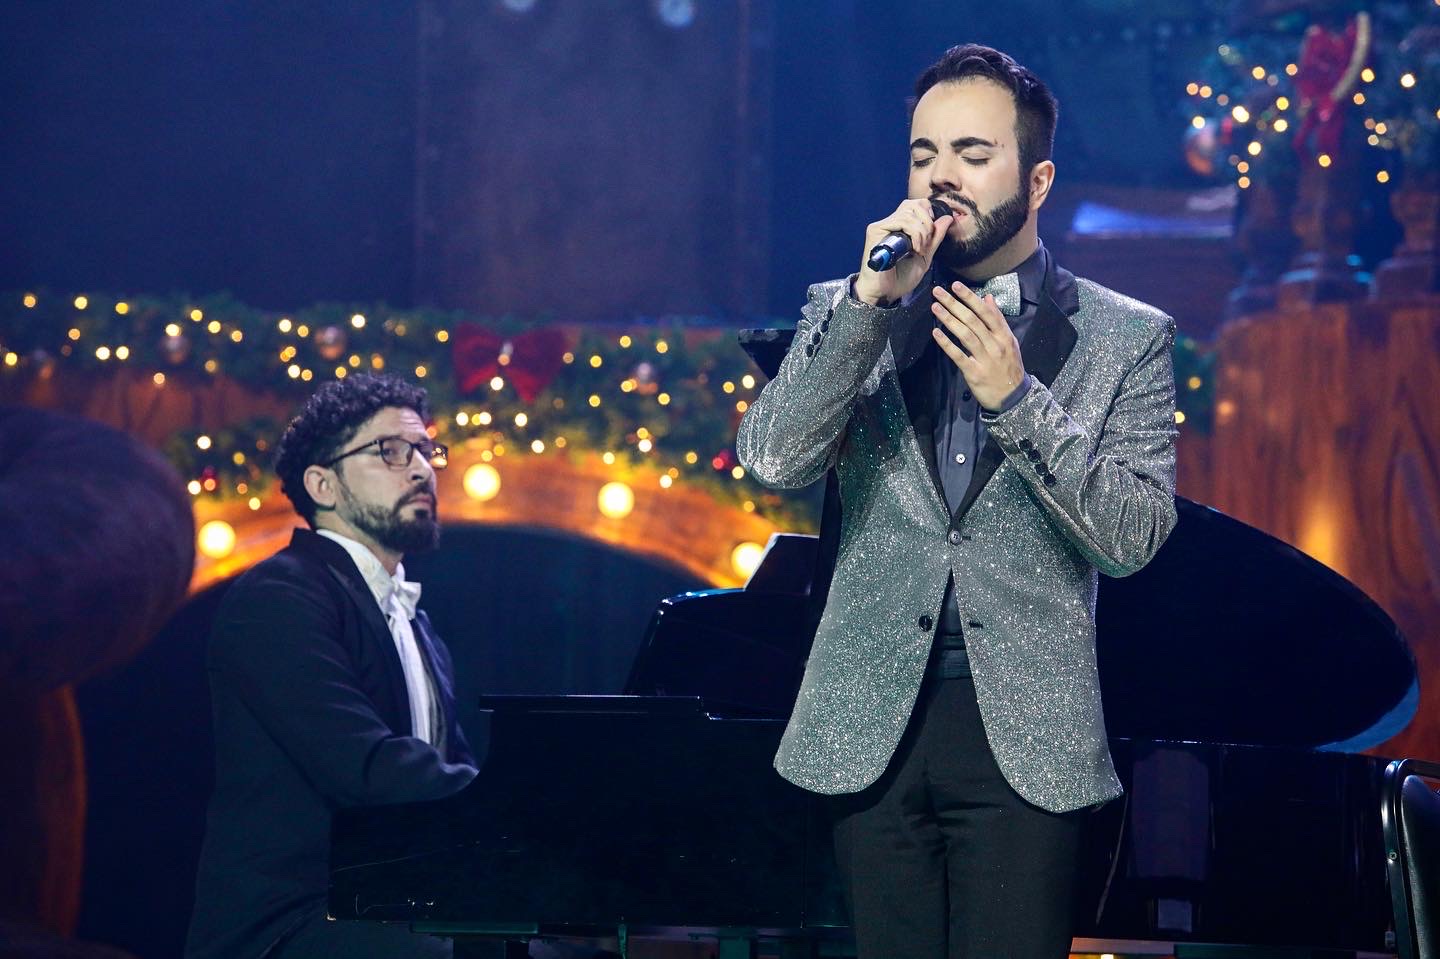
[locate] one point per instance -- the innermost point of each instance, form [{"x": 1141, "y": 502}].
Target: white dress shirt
[{"x": 397, "y": 599}]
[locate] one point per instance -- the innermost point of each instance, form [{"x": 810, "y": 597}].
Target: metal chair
[{"x": 1410, "y": 818}]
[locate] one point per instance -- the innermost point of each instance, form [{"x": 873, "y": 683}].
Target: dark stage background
[{"x": 585, "y": 159}]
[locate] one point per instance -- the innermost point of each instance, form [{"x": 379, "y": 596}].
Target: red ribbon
[{"x": 535, "y": 358}]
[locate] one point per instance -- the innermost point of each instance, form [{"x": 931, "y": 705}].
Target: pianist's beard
[{"x": 390, "y": 528}]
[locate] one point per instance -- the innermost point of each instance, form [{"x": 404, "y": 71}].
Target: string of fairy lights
[
  {"x": 659, "y": 400},
  {"x": 1247, "y": 107}
]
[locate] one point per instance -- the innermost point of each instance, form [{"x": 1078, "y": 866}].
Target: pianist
[
  {"x": 329, "y": 686},
  {"x": 1003, "y": 432}
]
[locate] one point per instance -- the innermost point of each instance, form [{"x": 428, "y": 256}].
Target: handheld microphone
[{"x": 887, "y": 252}]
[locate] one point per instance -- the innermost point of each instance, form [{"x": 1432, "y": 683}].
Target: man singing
[
  {"x": 1003, "y": 432},
  {"x": 329, "y": 687}
]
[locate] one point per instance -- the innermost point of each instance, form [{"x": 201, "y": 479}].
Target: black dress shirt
[{"x": 959, "y": 436}]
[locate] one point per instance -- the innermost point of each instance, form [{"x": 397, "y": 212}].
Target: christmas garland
[
  {"x": 1300, "y": 90},
  {"x": 667, "y": 394}
]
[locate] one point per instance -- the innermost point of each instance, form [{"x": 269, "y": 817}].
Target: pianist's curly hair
[{"x": 329, "y": 420}]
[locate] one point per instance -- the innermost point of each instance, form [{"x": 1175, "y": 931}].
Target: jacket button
[
  {"x": 1049, "y": 480},
  {"x": 954, "y": 537},
  {"x": 1025, "y": 444},
  {"x": 926, "y": 623},
  {"x": 809, "y": 350},
  {"x": 815, "y": 337}
]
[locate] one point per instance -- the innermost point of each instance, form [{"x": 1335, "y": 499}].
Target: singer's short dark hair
[
  {"x": 1036, "y": 109},
  {"x": 330, "y": 419}
]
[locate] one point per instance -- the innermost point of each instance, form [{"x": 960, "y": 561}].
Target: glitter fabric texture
[{"x": 1085, "y": 483}]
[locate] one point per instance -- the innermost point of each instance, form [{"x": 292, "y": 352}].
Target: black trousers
[{"x": 941, "y": 859}]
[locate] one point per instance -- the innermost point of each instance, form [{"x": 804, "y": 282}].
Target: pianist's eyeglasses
[{"x": 397, "y": 451}]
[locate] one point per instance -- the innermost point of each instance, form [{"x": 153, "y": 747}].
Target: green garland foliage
[
  {"x": 668, "y": 394},
  {"x": 1244, "y": 108}
]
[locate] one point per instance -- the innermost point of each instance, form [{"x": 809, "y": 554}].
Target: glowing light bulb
[
  {"x": 216, "y": 539},
  {"x": 482, "y": 482},
  {"x": 616, "y": 500},
  {"x": 745, "y": 558}
]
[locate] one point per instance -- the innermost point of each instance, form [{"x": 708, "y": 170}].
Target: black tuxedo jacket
[{"x": 311, "y": 714}]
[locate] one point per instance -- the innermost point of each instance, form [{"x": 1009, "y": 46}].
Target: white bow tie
[{"x": 404, "y": 595}]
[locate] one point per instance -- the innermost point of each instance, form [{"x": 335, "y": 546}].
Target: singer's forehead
[{"x": 970, "y": 112}]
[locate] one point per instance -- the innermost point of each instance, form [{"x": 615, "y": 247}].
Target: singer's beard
[{"x": 992, "y": 231}]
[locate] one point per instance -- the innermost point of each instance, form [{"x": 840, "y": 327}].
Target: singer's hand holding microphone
[{"x": 898, "y": 250}]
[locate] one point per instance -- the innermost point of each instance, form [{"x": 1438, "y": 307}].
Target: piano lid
[{"x": 1230, "y": 635}]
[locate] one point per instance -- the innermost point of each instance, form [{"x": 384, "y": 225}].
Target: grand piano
[{"x": 1241, "y": 682}]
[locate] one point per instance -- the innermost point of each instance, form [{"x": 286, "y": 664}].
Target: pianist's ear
[{"x": 320, "y": 484}]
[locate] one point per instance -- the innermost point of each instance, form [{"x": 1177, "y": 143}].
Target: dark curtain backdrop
[
  {"x": 269, "y": 149},
  {"x": 255, "y": 146}
]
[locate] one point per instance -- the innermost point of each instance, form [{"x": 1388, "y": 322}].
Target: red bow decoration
[
  {"x": 1328, "y": 71},
  {"x": 533, "y": 358}
]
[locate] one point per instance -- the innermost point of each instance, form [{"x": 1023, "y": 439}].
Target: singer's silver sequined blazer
[{"x": 1077, "y": 477}]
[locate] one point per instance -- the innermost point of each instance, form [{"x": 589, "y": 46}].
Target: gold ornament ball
[{"x": 330, "y": 342}]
